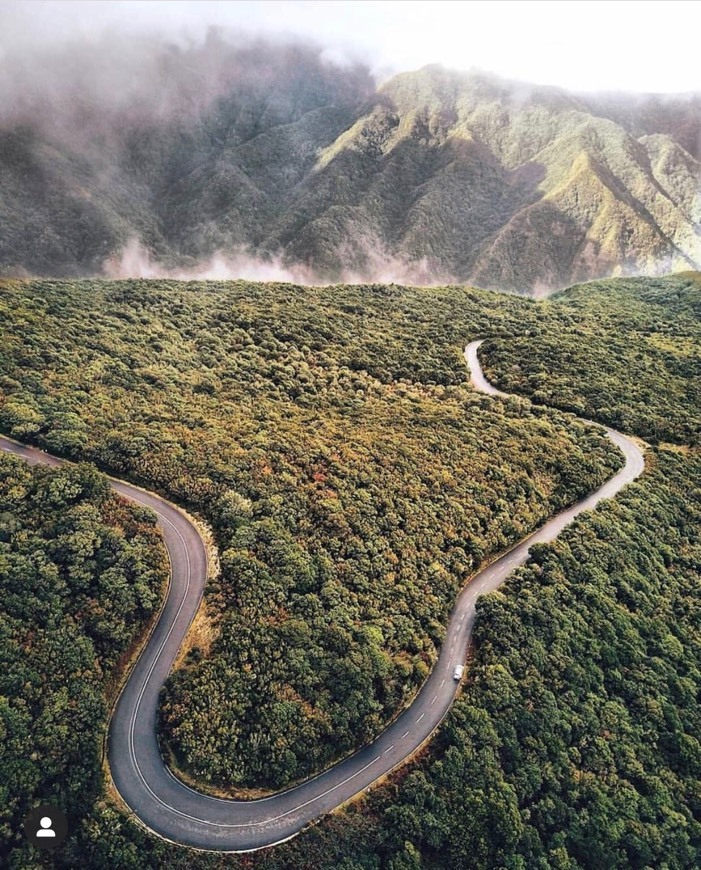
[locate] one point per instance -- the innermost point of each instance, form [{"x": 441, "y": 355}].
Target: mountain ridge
[{"x": 267, "y": 156}]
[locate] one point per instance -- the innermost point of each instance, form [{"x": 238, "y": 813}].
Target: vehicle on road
[{"x": 177, "y": 812}]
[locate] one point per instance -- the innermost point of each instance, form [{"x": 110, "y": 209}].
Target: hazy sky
[{"x": 577, "y": 44}]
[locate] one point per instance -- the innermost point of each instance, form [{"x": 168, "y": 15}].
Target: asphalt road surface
[{"x": 178, "y": 813}]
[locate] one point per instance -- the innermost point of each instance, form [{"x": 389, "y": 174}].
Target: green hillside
[
  {"x": 81, "y": 572},
  {"x": 627, "y": 353},
  {"x": 271, "y": 153}
]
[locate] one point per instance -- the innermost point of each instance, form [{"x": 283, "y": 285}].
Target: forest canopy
[
  {"x": 625, "y": 352},
  {"x": 81, "y": 571},
  {"x": 353, "y": 480}
]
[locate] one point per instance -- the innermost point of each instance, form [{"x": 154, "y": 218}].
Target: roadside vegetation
[
  {"x": 353, "y": 480},
  {"x": 81, "y": 571},
  {"x": 626, "y": 352}
]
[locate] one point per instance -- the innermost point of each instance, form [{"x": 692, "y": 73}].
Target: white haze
[
  {"x": 135, "y": 261},
  {"x": 579, "y": 45}
]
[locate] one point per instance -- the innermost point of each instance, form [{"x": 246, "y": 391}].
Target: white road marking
[
  {"x": 493, "y": 578},
  {"x": 389, "y": 750},
  {"x": 434, "y": 700}
]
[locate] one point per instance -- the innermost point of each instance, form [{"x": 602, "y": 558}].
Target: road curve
[{"x": 178, "y": 813}]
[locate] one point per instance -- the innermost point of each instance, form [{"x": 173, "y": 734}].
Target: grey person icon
[
  {"x": 46, "y": 826},
  {"x": 46, "y": 830}
]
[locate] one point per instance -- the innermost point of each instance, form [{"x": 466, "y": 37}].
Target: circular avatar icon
[{"x": 45, "y": 826}]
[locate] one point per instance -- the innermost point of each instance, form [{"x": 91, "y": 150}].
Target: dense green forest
[
  {"x": 352, "y": 478},
  {"x": 80, "y": 573},
  {"x": 625, "y": 352},
  {"x": 576, "y": 741}
]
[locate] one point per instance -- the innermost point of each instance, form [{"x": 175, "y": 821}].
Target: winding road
[{"x": 176, "y": 812}]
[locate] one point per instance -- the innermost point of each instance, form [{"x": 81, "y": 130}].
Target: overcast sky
[{"x": 629, "y": 45}]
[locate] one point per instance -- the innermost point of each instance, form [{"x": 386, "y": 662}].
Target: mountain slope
[{"x": 273, "y": 152}]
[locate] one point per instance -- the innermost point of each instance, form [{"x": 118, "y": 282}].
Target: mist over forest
[
  {"x": 244, "y": 274},
  {"x": 233, "y": 155}
]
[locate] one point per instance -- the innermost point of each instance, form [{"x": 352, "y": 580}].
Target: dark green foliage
[
  {"x": 575, "y": 743},
  {"x": 625, "y": 352},
  {"x": 80, "y": 572},
  {"x": 352, "y": 479}
]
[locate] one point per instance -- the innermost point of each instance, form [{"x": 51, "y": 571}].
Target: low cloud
[{"x": 135, "y": 261}]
